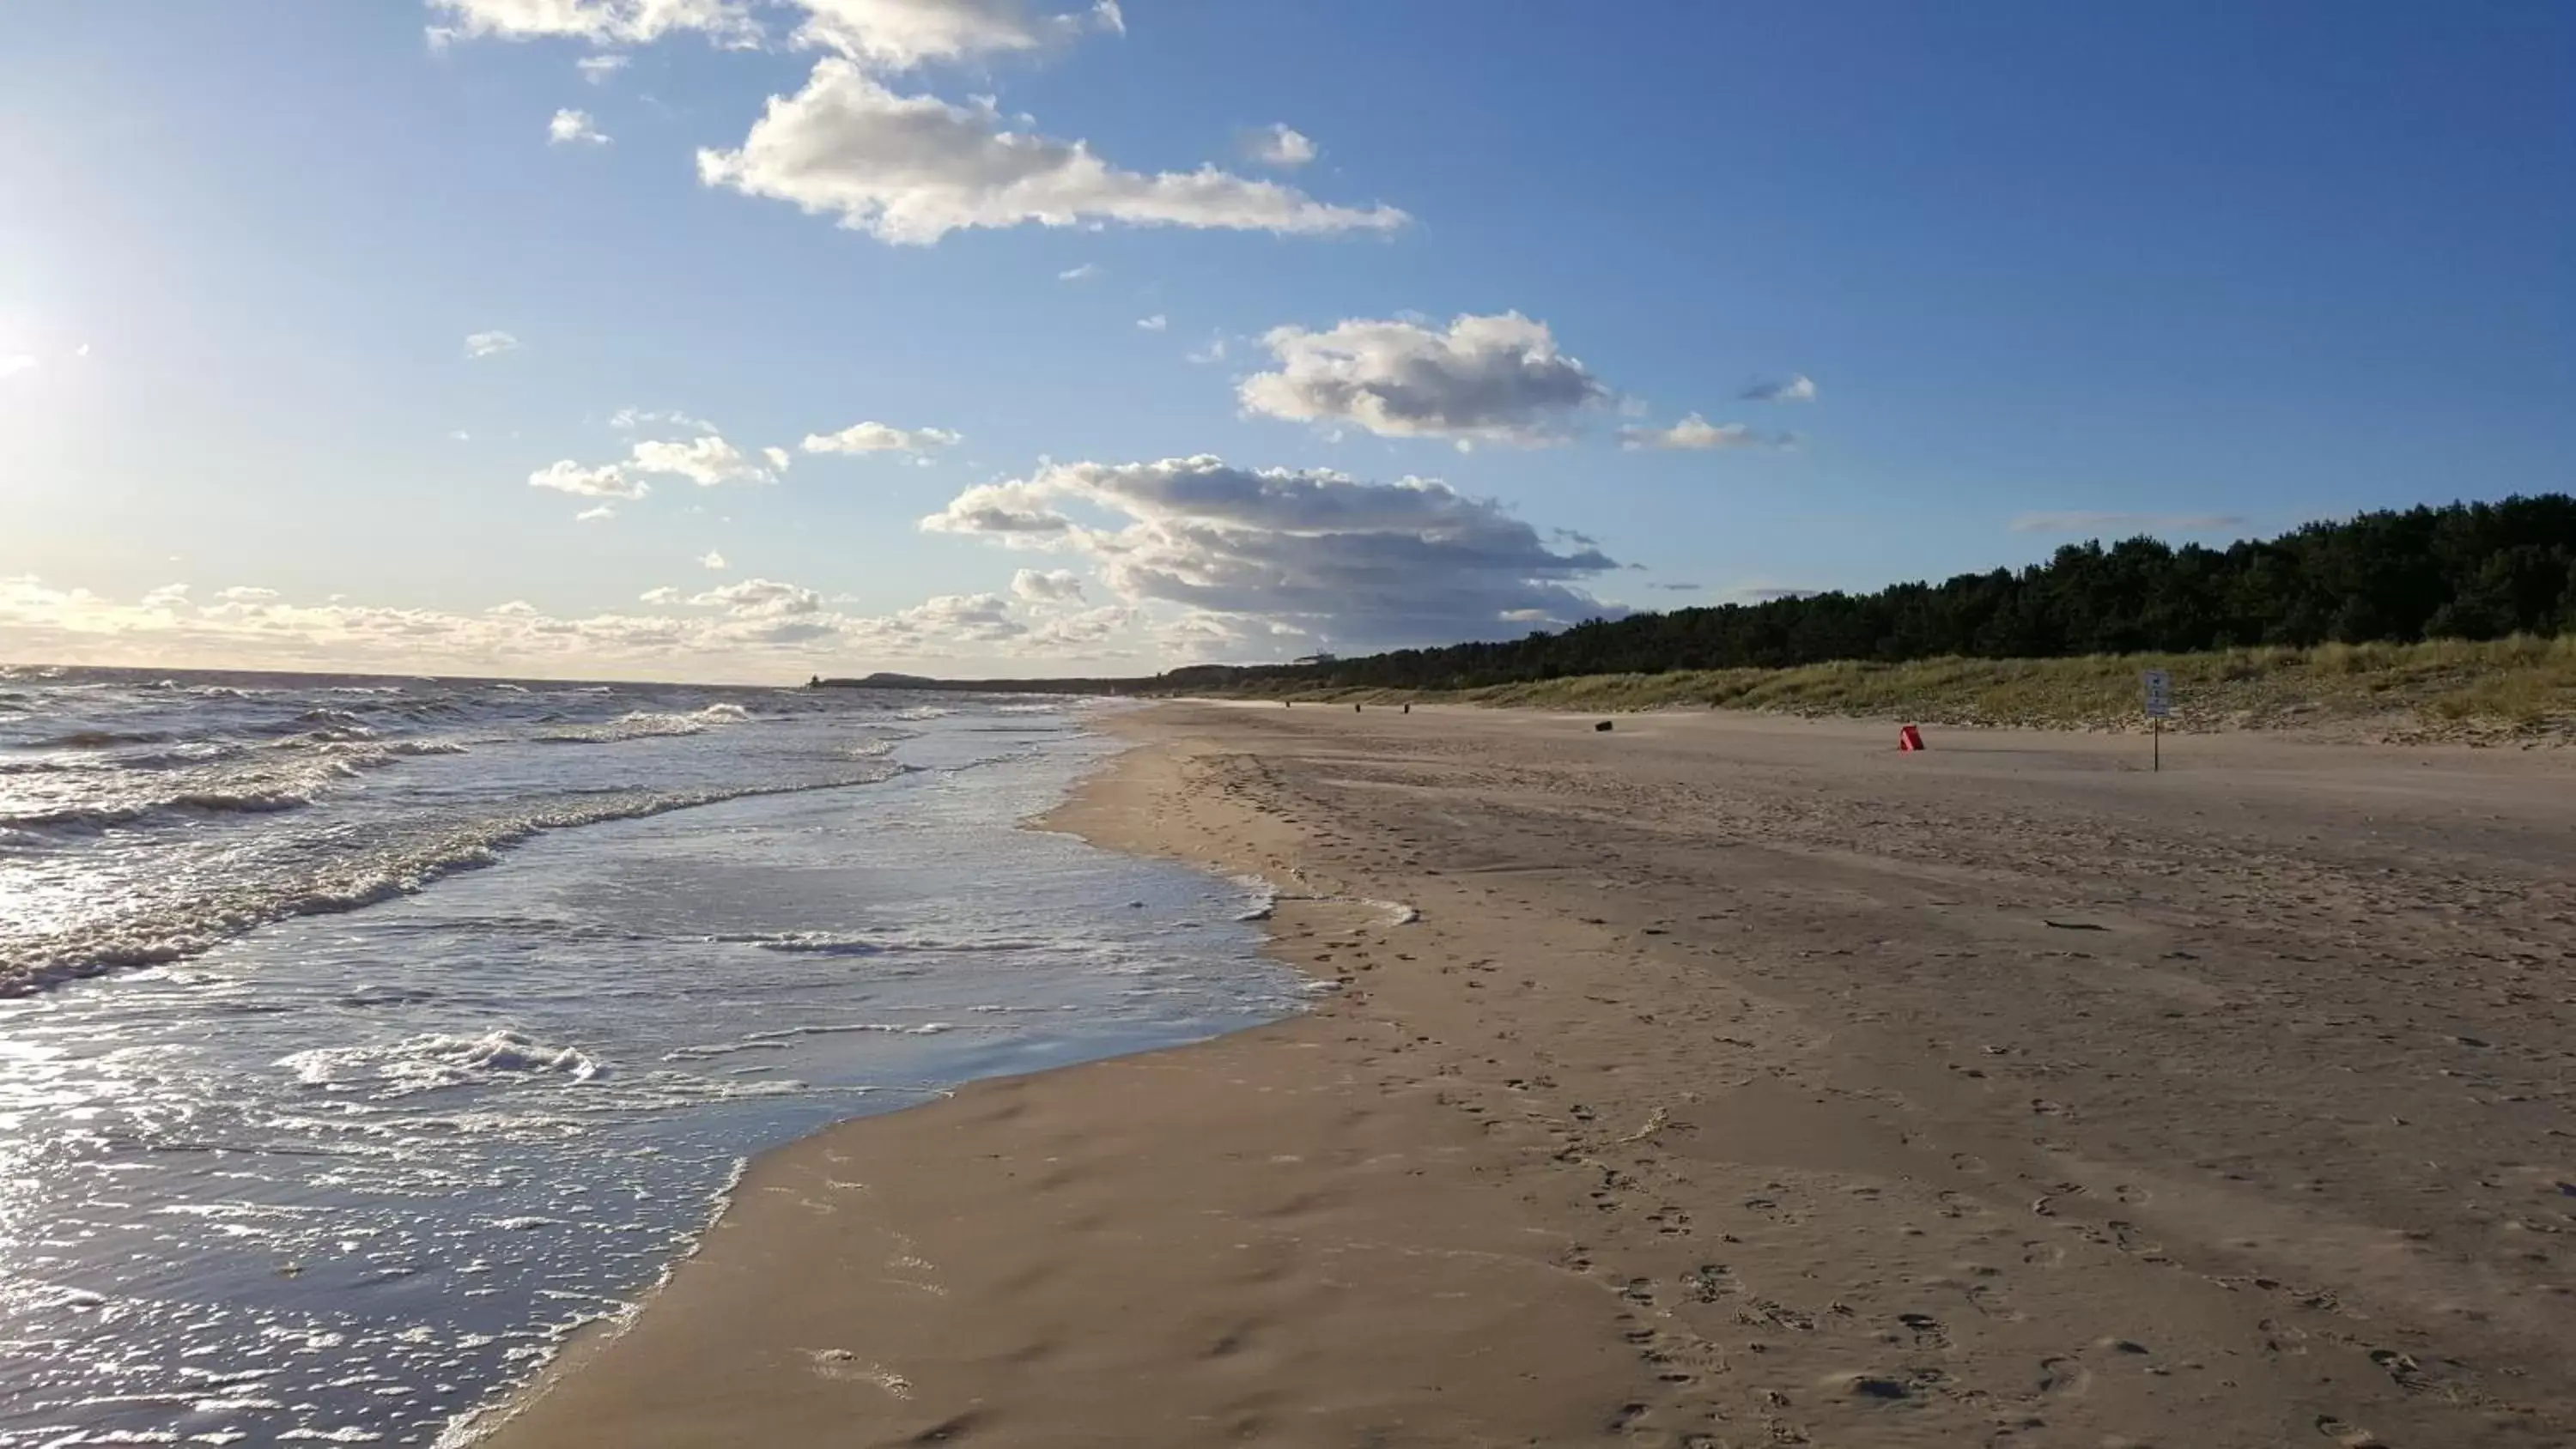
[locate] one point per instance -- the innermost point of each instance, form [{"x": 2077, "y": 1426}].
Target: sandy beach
[{"x": 1724, "y": 1080}]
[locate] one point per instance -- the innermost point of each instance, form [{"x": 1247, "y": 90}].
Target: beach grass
[{"x": 2517, "y": 687}]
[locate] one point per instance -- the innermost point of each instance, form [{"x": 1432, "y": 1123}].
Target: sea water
[{"x": 360, "y": 1038}]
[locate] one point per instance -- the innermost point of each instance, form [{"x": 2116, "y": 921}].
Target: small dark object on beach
[
  {"x": 1408, "y": 709},
  {"x": 1355, "y": 709},
  {"x": 1603, "y": 727}
]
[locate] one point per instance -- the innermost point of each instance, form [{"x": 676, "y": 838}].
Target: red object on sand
[{"x": 1908, "y": 739}]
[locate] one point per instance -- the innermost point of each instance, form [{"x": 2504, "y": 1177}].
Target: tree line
[{"x": 2462, "y": 571}]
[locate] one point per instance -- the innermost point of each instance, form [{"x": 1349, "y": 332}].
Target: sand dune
[{"x": 1741, "y": 1082}]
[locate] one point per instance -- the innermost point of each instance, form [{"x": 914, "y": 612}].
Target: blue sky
[{"x": 2049, "y": 271}]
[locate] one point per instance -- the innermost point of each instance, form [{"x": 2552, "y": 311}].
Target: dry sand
[{"x": 1742, "y": 1082}]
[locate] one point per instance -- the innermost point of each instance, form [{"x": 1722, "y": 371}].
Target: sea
[{"x": 362, "y": 1038}]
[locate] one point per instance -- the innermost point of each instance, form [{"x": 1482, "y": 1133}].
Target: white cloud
[
  {"x": 1082, "y": 629},
  {"x": 1497, "y": 379},
  {"x": 625, "y": 419},
  {"x": 779, "y": 458},
  {"x": 771, "y": 631},
  {"x": 1083, "y": 273},
  {"x": 1276, "y": 145},
  {"x": 571, "y": 127},
  {"x": 713, "y": 560},
  {"x": 761, "y": 598},
  {"x": 1800, "y": 388},
  {"x": 663, "y": 595},
  {"x": 13, "y": 363},
  {"x": 984, "y": 618},
  {"x": 1046, "y": 586},
  {"x": 1214, "y": 352},
  {"x": 2083, "y": 521},
  {"x": 600, "y": 514},
  {"x": 1155, "y": 323},
  {"x": 609, "y": 480},
  {"x": 490, "y": 344},
  {"x": 1311, "y": 552},
  {"x": 911, "y": 169},
  {"x": 879, "y": 438},
  {"x": 596, "y": 69},
  {"x": 1001, "y": 510},
  {"x": 604, "y": 22},
  {"x": 706, "y": 461},
  {"x": 245, "y": 594},
  {"x": 902, "y": 34},
  {"x": 1697, "y": 434}
]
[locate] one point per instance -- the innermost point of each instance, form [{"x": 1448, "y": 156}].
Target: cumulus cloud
[
  {"x": 596, "y": 69},
  {"x": 984, "y": 618},
  {"x": 713, "y": 560},
  {"x": 911, "y": 169},
  {"x": 600, "y": 514},
  {"x": 761, "y": 599},
  {"x": 246, "y": 594},
  {"x": 490, "y": 344},
  {"x": 1698, "y": 434},
  {"x": 663, "y": 595},
  {"x": 902, "y": 34},
  {"x": 1082, "y": 629},
  {"x": 1000, "y": 510},
  {"x": 879, "y": 438},
  {"x": 2084, "y": 521},
  {"x": 1312, "y": 552},
  {"x": 1046, "y": 586},
  {"x": 1276, "y": 145},
  {"x": 1799, "y": 388},
  {"x": 609, "y": 480},
  {"x": 707, "y": 462},
  {"x": 168, "y": 596},
  {"x": 13, "y": 363},
  {"x": 574, "y": 128},
  {"x": 1155, "y": 323},
  {"x": 1498, "y": 379}
]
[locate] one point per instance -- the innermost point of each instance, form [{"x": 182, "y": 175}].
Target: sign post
[{"x": 2159, "y": 704}]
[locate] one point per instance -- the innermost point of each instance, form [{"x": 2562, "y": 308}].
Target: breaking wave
[{"x": 372, "y": 873}]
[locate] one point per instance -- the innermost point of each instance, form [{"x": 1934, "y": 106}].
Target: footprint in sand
[
  {"x": 2063, "y": 1377},
  {"x": 1926, "y": 1330}
]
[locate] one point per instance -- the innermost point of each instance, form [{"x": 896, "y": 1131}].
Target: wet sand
[{"x": 1742, "y": 1082}]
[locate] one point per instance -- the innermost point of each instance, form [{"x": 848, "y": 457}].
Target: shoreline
[{"x": 1614, "y": 1147}]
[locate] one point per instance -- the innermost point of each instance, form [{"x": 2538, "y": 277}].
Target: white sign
[{"x": 2159, "y": 694}]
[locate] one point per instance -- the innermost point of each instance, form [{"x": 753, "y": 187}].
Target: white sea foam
[
  {"x": 427, "y": 1063},
  {"x": 649, "y": 724}
]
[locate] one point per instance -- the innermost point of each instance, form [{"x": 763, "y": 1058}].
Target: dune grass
[{"x": 2507, "y": 687}]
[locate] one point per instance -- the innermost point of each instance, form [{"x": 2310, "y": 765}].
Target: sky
[{"x": 741, "y": 340}]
